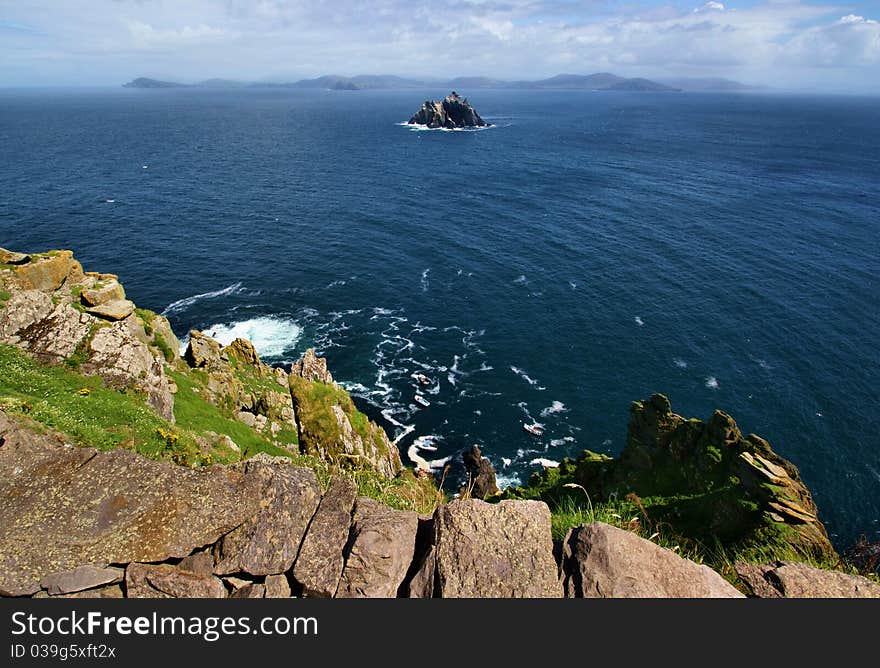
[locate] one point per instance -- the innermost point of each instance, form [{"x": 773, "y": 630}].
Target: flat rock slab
[
  {"x": 319, "y": 564},
  {"x": 268, "y": 542},
  {"x": 109, "y": 292},
  {"x": 115, "y": 309},
  {"x": 381, "y": 548},
  {"x": 165, "y": 581},
  {"x": 78, "y": 579},
  {"x": 602, "y": 561},
  {"x": 502, "y": 550},
  {"x": 786, "y": 579},
  {"x": 63, "y": 507}
]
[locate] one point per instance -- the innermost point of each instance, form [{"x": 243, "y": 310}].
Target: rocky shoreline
[
  {"x": 128, "y": 470},
  {"x": 453, "y": 112}
]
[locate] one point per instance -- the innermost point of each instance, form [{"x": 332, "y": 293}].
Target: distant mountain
[
  {"x": 144, "y": 82},
  {"x": 716, "y": 84},
  {"x": 598, "y": 81}
]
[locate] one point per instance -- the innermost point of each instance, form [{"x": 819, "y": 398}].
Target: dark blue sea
[{"x": 586, "y": 251}]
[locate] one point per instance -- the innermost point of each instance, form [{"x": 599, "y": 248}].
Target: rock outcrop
[
  {"x": 481, "y": 483},
  {"x": 602, "y": 561},
  {"x": 453, "y": 112},
  {"x": 796, "y": 580},
  {"x": 703, "y": 480}
]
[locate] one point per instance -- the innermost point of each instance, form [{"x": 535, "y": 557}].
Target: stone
[
  {"x": 250, "y": 590},
  {"x": 481, "y": 475},
  {"x": 268, "y": 542},
  {"x": 311, "y": 367},
  {"x": 110, "y": 291},
  {"x": 319, "y": 564},
  {"x": 118, "y": 309},
  {"x": 78, "y": 579},
  {"x": 166, "y": 581},
  {"x": 602, "y": 561},
  {"x": 12, "y": 257},
  {"x": 277, "y": 586},
  {"x": 453, "y": 112},
  {"x": 200, "y": 563},
  {"x": 202, "y": 352},
  {"x": 381, "y": 549},
  {"x": 243, "y": 351},
  {"x": 502, "y": 550},
  {"x": 49, "y": 272},
  {"x": 50, "y": 332},
  {"x": 111, "y": 591},
  {"x": 115, "y": 354},
  {"x": 63, "y": 507},
  {"x": 787, "y": 579}
]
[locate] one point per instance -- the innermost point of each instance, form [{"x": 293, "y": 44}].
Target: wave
[
  {"x": 531, "y": 381},
  {"x": 504, "y": 481},
  {"x": 186, "y": 302},
  {"x": 556, "y": 407},
  {"x": 680, "y": 363},
  {"x": 546, "y": 463},
  {"x": 521, "y": 279},
  {"x": 712, "y": 383},
  {"x": 418, "y": 127},
  {"x": 425, "y": 280},
  {"x": 639, "y": 321},
  {"x": 273, "y": 337},
  {"x": 562, "y": 441}
]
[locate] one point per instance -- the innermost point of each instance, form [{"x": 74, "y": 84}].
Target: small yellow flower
[{"x": 84, "y": 392}]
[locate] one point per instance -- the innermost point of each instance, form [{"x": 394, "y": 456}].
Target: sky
[{"x": 803, "y": 44}]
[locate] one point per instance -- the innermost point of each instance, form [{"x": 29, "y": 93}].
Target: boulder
[
  {"x": 277, "y": 586},
  {"x": 311, "y": 367},
  {"x": 319, "y": 564},
  {"x": 243, "y": 351},
  {"x": 602, "y": 561},
  {"x": 453, "y": 112},
  {"x": 78, "y": 579},
  {"x": 381, "y": 549},
  {"x": 481, "y": 475},
  {"x": 268, "y": 542},
  {"x": 796, "y": 580},
  {"x": 250, "y": 590},
  {"x": 202, "y": 352},
  {"x": 12, "y": 257},
  {"x": 166, "y": 581},
  {"x": 63, "y": 507},
  {"x": 502, "y": 550},
  {"x": 200, "y": 563},
  {"x": 102, "y": 293},
  {"x": 49, "y": 271},
  {"x": 51, "y": 332},
  {"x": 118, "y": 309}
]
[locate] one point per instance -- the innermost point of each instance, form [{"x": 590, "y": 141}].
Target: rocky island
[
  {"x": 453, "y": 112},
  {"x": 130, "y": 470}
]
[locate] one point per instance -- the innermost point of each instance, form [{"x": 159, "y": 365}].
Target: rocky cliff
[
  {"x": 453, "y": 112},
  {"x": 129, "y": 470}
]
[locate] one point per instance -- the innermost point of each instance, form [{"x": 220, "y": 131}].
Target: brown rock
[
  {"x": 502, "y": 550},
  {"x": 202, "y": 352},
  {"x": 49, "y": 272},
  {"x": 12, "y": 257},
  {"x": 165, "y": 581},
  {"x": 788, "y": 579},
  {"x": 250, "y": 590},
  {"x": 277, "y": 586},
  {"x": 118, "y": 309},
  {"x": 319, "y": 564},
  {"x": 102, "y": 293},
  {"x": 78, "y": 579},
  {"x": 312, "y": 367},
  {"x": 200, "y": 563},
  {"x": 602, "y": 561},
  {"x": 268, "y": 542},
  {"x": 243, "y": 351},
  {"x": 382, "y": 544},
  {"x": 63, "y": 507},
  {"x": 481, "y": 475}
]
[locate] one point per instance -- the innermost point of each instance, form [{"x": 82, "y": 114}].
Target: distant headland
[{"x": 600, "y": 81}]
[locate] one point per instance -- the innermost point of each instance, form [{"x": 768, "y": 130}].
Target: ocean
[{"x": 587, "y": 250}]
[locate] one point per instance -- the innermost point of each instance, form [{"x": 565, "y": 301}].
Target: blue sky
[{"x": 783, "y": 43}]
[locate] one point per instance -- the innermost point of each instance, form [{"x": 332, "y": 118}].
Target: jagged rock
[
  {"x": 111, "y": 591},
  {"x": 452, "y": 112},
  {"x": 200, "y": 563},
  {"x": 250, "y": 590},
  {"x": 420, "y": 578},
  {"x": 796, "y": 580},
  {"x": 64, "y": 507},
  {"x": 50, "y": 332},
  {"x": 319, "y": 564},
  {"x": 602, "y": 561},
  {"x": 311, "y": 367},
  {"x": 481, "y": 475},
  {"x": 118, "y": 309},
  {"x": 502, "y": 550},
  {"x": 202, "y": 352},
  {"x": 122, "y": 361},
  {"x": 165, "y": 581},
  {"x": 12, "y": 257},
  {"x": 268, "y": 542},
  {"x": 110, "y": 291},
  {"x": 277, "y": 587},
  {"x": 244, "y": 351},
  {"x": 80, "y": 578},
  {"x": 381, "y": 548},
  {"x": 49, "y": 272}
]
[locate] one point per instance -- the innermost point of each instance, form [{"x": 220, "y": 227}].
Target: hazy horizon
[{"x": 790, "y": 44}]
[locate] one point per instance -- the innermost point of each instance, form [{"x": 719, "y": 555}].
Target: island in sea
[{"x": 453, "y": 112}]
